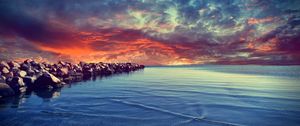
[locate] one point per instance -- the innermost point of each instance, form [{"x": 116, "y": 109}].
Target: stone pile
[{"x": 16, "y": 78}]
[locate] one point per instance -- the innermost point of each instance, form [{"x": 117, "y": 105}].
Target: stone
[
  {"x": 10, "y": 74},
  {"x": 38, "y": 71},
  {"x": 15, "y": 71},
  {"x": 62, "y": 72},
  {"x": 24, "y": 67},
  {"x": 6, "y": 90},
  {"x": 77, "y": 68},
  {"x": 35, "y": 75},
  {"x": 14, "y": 64},
  {"x": 4, "y": 64},
  {"x": 17, "y": 84},
  {"x": 33, "y": 63},
  {"x": 62, "y": 63},
  {"x": 22, "y": 73},
  {"x": 27, "y": 61},
  {"x": 2, "y": 79},
  {"x": 47, "y": 80},
  {"x": 87, "y": 72},
  {"x": 110, "y": 70},
  {"x": 52, "y": 70},
  {"x": 41, "y": 66},
  {"x": 29, "y": 80},
  {"x": 4, "y": 70},
  {"x": 47, "y": 69},
  {"x": 30, "y": 72}
]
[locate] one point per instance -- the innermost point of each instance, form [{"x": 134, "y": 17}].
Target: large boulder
[
  {"x": 39, "y": 66},
  {"x": 25, "y": 66},
  {"x": 15, "y": 70},
  {"x": 29, "y": 81},
  {"x": 6, "y": 90},
  {"x": 14, "y": 64},
  {"x": 17, "y": 84},
  {"x": 30, "y": 72},
  {"x": 4, "y": 64},
  {"x": 77, "y": 68},
  {"x": 10, "y": 74},
  {"x": 47, "y": 80},
  {"x": 36, "y": 71},
  {"x": 4, "y": 70},
  {"x": 22, "y": 73},
  {"x": 27, "y": 61},
  {"x": 53, "y": 70},
  {"x": 87, "y": 72},
  {"x": 63, "y": 72},
  {"x": 33, "y": 63}
]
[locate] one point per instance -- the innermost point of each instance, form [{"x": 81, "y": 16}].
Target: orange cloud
[
  {"x": 117, "y": 45},
  {"x": 264, "y": 47},
  {"x": 253, "y": 21}
]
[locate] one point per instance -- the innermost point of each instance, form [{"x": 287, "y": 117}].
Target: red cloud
[{"x": 119, "y": 45}]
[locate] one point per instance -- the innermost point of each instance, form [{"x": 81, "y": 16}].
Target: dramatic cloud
[{"x": 152, "y": 32}]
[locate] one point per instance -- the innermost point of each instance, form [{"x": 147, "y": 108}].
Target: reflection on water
[{"x": 180, "y": 96}]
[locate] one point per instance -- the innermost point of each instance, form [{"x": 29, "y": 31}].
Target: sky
[{"x": 152, "y": 32}]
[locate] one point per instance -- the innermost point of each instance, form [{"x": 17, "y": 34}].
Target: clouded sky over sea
[{"x": 152, "y": 32}]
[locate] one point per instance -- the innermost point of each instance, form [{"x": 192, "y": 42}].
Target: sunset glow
[{"x": 152, "y": 32}]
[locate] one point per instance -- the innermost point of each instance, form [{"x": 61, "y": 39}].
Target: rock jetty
[{"x": 16, "y": 78}]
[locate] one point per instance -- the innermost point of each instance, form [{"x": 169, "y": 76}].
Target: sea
[{"x": 203, "y": 95}]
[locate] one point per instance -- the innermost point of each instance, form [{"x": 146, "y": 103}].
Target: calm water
[{"x": 163, "y": 96}]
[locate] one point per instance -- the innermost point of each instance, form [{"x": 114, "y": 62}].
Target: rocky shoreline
[{"x": 17, "y": 78}]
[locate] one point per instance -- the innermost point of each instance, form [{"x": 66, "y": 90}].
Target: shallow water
[{"x": 163, "y": 96}]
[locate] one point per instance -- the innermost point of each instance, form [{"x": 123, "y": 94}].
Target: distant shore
[{"x": 16, "y": 78}]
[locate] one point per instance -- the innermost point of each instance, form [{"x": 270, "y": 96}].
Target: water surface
[{"x": 163, "y": 96}]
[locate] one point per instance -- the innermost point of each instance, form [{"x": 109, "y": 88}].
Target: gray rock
[
  {"x": 40, "y": 66},
  {"x": 14, "y": 64},
  {"x": 87, "y": 72},
  {"x": 62, "y": 72},
  {"x": 10, "y": 74},
  {"x": 38, "y": 71},
  {"x": 22, "y": 73},
  {"x": 17, "y": 84},
  {"x": 15, "y": 71},
  {"x": 62, "y": 63},
  {"x": 6, "y": 90},
  {"x": 4, "y": 70},
  {"x": 46, "y": 75},
  {"x": 8, "y": 79},
  {"x": 29, "y": 80},
  {"x": 27, "y": 61},
  {"x": 2, "y": 79},
  {"x": 33, "y": 63},
  {"x": 4, "y": 64},
  {"x": 30, "y": 72},
  {"x": 25, "y": 67},
  {"x": 47, "y": 80}
]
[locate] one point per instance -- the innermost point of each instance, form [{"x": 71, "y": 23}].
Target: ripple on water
[{"x": 177, "y": 96}]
